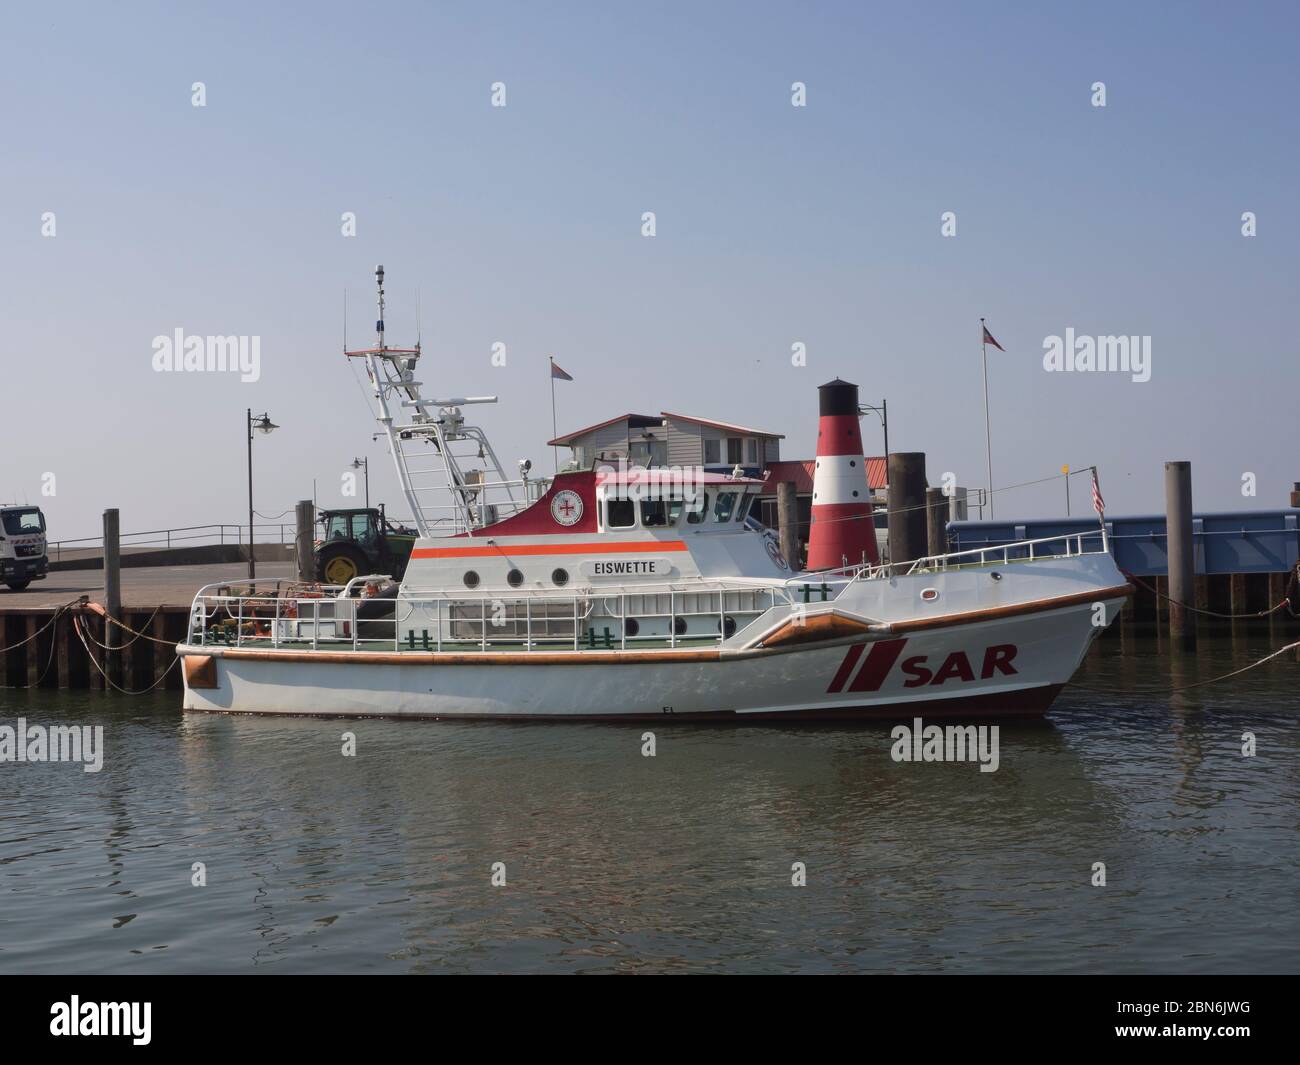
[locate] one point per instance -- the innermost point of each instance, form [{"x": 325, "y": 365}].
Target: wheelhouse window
[
  {"x": 697, "y": 508},
  {"x": 661, "y": 513},
  {"x": 620, "y": 513},
  {"x": 725, "y": 507}
]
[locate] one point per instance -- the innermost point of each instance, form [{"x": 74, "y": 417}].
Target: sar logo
[{"x": 566, "y": 507}]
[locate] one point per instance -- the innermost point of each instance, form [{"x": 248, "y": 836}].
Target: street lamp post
[
  {"x": 883, "y": 412},
  {"x": 364, "y": 463},
  {"x": 264, "y": 424}
]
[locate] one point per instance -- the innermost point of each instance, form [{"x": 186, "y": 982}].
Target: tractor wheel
[{"x": 338, "y": 564}]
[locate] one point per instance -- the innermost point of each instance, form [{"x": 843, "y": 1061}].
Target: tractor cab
[{"x": 361, "y": 541}]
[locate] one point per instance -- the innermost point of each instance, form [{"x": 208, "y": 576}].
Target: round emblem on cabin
[
  {"x": 774, "y": 550},
  {"x": 566, "y": 507}
]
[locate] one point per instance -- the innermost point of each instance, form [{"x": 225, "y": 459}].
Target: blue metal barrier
[{"x": 1245, "y": 541}]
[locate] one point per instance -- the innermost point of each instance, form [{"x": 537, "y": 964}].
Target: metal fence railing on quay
[{"x": 183, "y": 536}]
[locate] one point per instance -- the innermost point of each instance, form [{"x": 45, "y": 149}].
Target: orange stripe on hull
[{"x": 506, "y": 550}]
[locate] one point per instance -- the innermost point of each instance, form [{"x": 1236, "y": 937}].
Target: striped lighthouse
[{"x": 842, "y": 531}]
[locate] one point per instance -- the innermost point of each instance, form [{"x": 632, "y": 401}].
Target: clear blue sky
[{"x": 522, "y": 225}]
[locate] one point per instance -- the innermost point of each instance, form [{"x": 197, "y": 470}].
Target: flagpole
[
  {"x": 555, "y": 455},
  {"x": 988, "y": 439}
]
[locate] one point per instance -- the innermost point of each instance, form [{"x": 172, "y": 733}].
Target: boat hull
[{"x": 1004, "y": 667}]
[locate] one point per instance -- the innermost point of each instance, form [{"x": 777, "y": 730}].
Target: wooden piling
[
  {"x": 1182, "y": 559},
  {"x": 33, "y": 651},
  {"x": 936, "y": 513},
  {"x": 112, "y": 590},
  {"x": 62, "y": 634},
  {"x": 1239, "y": 603},
  {"x": 908, "y": 535},
  {"x": 162, "y": 655},
  {"x": 787, "y": 520},
  {"x": 304, "y": 540}
]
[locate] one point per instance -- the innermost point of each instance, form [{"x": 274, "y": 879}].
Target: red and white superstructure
[{"x": 623, "y": 593}]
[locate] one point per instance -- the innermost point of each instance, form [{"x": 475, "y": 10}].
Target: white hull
[{"x": 999, "y": 667}]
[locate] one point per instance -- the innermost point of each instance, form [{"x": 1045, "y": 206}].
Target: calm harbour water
[{"x": 679, "y": 863}]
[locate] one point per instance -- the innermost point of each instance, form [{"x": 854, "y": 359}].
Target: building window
[
  {"x": 620, "y": 513},
  {"x": 712, "y": 452},
  {"x": 734, "y": 451},
  {"x": 751, "y": 452}
]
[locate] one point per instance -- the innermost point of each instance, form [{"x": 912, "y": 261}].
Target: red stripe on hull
[{"x": 877, "y": 666}]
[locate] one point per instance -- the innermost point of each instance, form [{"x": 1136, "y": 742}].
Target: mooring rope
[
  {"x": 1186, "y": 687},
  {"x": 53, "y": 618},
  {"x": 137, "y": 635},
  {"x": 76, "y": 624},
  {"x": 1285, "y": 601}
]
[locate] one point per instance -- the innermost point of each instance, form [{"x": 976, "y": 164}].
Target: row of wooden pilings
[
  {"x": 41, "y": 647},
  {"x": 1177, "y": 604}
]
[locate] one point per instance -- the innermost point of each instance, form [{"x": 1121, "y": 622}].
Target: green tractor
[{"x": 360, "y": 542}]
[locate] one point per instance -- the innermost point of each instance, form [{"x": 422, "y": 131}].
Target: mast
[{"x": 444, "y": 498}]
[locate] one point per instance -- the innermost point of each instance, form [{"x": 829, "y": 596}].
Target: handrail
[
  {"x": 275, "y": 613},
  {"x": 869, "y": 571}
]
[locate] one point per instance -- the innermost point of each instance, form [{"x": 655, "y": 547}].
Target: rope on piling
[
  {"x": 53, "y": 618},
  {"x": 138, "y": 635},
  {"x": 81, "y": 635},
  {"x": 1285, "y": 601},
  {"x": 1186, "y": 687}
]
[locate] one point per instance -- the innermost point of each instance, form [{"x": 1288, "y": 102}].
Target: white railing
[
  {"x": 1066, "y": 545},
  {"x": 703, "y": 611}
]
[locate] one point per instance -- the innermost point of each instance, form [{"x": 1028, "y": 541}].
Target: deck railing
[
  {"x": 1067, "y": 545},
  {"x": 284, "y": 613}
]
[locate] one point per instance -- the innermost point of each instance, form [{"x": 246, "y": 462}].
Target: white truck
[{"x": 22, "y": 545}]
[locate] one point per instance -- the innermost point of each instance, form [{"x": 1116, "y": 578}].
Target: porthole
[
  {"x": 728, "y": 627},
  {"x": 514, "y": 578},
  {"x": 471, "y": 579},
  {"x": 929, "y": 595},
  {"x": 631, "y": 626},
  {"x": 560, "y": 576},
  {"x": 679, "y": 626}
]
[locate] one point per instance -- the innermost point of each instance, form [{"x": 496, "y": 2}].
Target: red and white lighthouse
[{"x": 842, "y": 531}]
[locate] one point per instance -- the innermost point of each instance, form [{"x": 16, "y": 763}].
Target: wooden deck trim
[
  {"x": 816, "y": 629},
  {"x": 1036, "y": 606},
  {"x": 464, "y": 658}
]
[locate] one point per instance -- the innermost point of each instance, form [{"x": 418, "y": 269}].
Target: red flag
[
  {"x": 1098, "y": 504},
  {"x": 559, "y": 374},
  {"x": 988, "y": 339}
]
